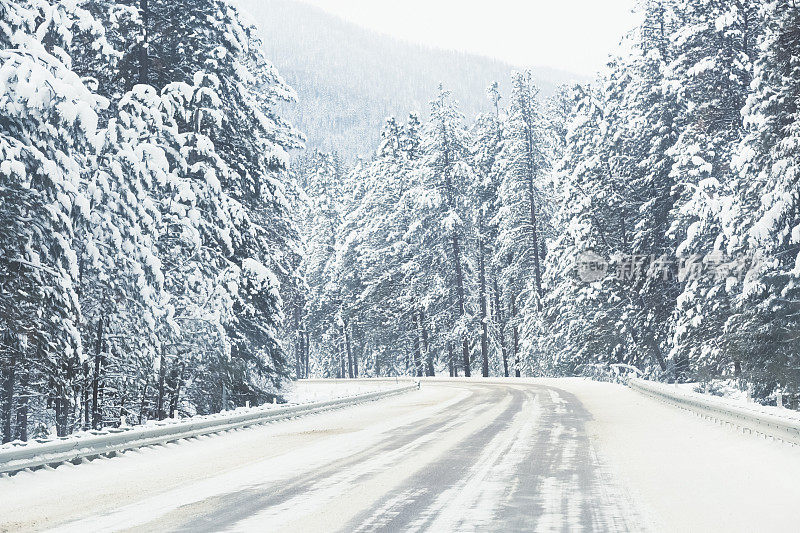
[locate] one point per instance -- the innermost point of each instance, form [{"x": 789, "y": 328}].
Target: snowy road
[
  {"x": 558, "y": 455},
  {"x": 511, "y": 455}
]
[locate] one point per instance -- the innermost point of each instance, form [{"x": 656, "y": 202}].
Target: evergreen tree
[
  {"x": 49, "y": 123},
  {"x": 487, "y": 139},
  {"x": 648, "y": 118},
  {"x": 585, "y": 308},
  {"x": 711, "y": 72},
  {"x": 762, "y": 335},
  {"x": 524, "y": 164},
  {"x": 443, "y": 218}
]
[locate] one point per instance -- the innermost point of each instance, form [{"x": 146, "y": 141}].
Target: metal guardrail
[
  {"x": 89, "y": 446},
  {"x": 719, "y": 410}
]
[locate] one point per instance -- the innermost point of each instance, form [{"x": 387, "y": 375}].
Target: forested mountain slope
[{"x": 349, "y": 79}]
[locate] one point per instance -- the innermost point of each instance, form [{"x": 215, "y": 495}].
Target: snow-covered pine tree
[
  {"x": 647, "y": 119},
  {"x": 487, "y": 139},
  {"x": 710, "y": 73},
  {"x": 584, "y": 309},
  {"x": 174, "y": 175},
  {"x": 170, "y": 42},
  {"x": 121, "y": 279},
  {"x": 322, "y": 177},
  {"x": 763, "y": 334},
  {"x": 524, "y": 164},
  {"x": 557, "y": 109},
  {"x": 442, "y": 222},
  {"x": 48, "y": 124},
  {"x": 397, "y": 286},
  {"x": 426, "y": 308},
  {"x": 375, "y": 229}
]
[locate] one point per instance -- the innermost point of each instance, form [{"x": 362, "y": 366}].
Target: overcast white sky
[{"x": 574, "y": 35}]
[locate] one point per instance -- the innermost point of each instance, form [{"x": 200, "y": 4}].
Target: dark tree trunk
[
  {"x": 62, "y": 396},
  {"x": 342, "y": 360},
  {"x": 515, "y": 335},
  {"x": 7, "y": 406},
  {"x": 298, "y": 345},
  {"x": 465, "y": 356},
  {"x": 349, "y": 350},
  {"x": 87, "y": 407},
  {"x": 22, "y": 407},
  {"x": 175, "y": 400},
  {"x": 355, "y": 335},
  {"x": 144, "y": 59},
  {"x": 101, "y": 387},
  {"x": 500, "y": 326},
  {"x": 417, "y": 355},
  {"x": 62, "y": 414},
  {"x": 97, "y": 408},
  {"x": 308, "y": 352},
  {"x": 451, "y": 363},
  {"x": 302, "y": 355},
  {"x": 484, "y": 315},
  {"x": 143, "y": 405},
  {"x": 461, "y": 300},
  {"x": 123, "y": 404},
  {"x": 162, "y": 375},
  {"x": 429, "y": 367}
]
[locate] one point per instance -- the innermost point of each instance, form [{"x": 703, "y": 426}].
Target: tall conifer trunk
[
  {"x": 349, "y": 350},
  {"x": 162, "y": 374},
  {"x": 531, "y": 177},
  {"x": 484, "y": 315},
  {"x": 429, "y": 366},
  {"x": 416, "y": 336},
  {"x": 22, "y": 404},
  {"x": 144, "y": 59},
  {"x": 7, "y": 404},
  {"x": 500, "y": 325},
  {"x": 515, "y": 335},
  {"x": 97, "y": 408}
]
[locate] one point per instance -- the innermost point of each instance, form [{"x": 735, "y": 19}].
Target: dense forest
[
  {"x": 162, "y": 257},
  {"x": 462, "y": 246},
  {"x": 147, "y": 240}
]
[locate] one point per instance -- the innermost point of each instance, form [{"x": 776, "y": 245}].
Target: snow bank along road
[{"x": 539, "y": 455}]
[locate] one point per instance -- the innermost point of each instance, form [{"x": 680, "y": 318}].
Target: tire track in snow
[
  {"x": 477, "y": 485},
  {"x": 173, "y": 509},
  {"x": 531, "y": 470},
  {"x": 327, "y": 485},
  {"x": 510, "y": 457},
  {"x": 566, "y": 487},
  {"x": 474, "y": 502}
]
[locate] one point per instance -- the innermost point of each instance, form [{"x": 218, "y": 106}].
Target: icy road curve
[{"x": 557, "y": 455}]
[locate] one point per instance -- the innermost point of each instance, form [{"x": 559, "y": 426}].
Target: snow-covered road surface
[{"x": 552, "y": 455}]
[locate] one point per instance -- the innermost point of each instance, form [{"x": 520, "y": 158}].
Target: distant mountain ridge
[{"x": 349, "y": 79}]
